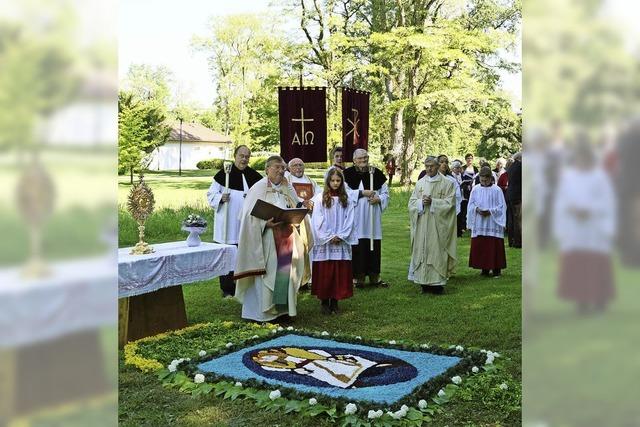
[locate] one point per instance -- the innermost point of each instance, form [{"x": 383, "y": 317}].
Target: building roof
[{"x": 195, "y": 132}]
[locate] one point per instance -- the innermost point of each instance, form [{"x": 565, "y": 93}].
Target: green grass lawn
[{"x": 474, "y": 311}]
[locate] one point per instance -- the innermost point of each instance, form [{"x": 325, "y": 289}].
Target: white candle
[
  {"x": 227, "y": 171},
  {"x": 371, "y": 209}
]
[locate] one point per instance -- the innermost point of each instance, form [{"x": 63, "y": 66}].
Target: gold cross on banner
[
  {"x": 296, "y": 138},
  {"x": 354, "y": 123}
]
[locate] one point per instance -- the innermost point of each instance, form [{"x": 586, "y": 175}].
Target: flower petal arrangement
[{"x": 193, "y": 220}]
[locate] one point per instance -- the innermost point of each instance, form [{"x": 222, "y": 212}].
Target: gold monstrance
[
  {"x": 140, "y": 205},
  {"x": 35, "y": 196}
]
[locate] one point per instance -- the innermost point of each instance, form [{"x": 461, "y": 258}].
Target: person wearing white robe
[
  {"x": 333, "y": 235},
  {"x": 584, "y": 225},
  {"x": 259, "y": 271},
  {"x": 487, "y": 219},
  {"x": 295, "y": 175},
  {"x": 357, "y": 178},
  {"x": 241, "y": 179},
  {"x": 433, "y": 227}
]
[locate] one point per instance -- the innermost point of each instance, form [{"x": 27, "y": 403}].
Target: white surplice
[
  {"x": 491, "y": 199},
  {"x": 590, "y": 191},
  {"x": 362, "y": 215},
  {"x": 329, "y": 222},
  {"x": 235, "y": 204}
]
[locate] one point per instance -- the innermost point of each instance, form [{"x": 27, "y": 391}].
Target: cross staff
[
  {"x": 371, "y": 209},
  {"x": 227, "y": 171}
]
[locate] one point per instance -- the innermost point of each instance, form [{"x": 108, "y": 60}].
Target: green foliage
[
  {"x": 503, "y": 137},
  {"x": 141, "y": 129},
  {"x": 38, "y": 71},
  {"x": 258, "y": 163},
  {"x": 210, "y": 164}
]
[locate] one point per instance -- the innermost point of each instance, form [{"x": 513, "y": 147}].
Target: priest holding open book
[{"x": 270, "y": 264}]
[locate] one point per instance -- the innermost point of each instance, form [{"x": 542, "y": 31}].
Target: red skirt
[
  {"x": 332, "y": 279},
  {"x": 487, "y": 253},
  {"x": 586, "y": 278}
]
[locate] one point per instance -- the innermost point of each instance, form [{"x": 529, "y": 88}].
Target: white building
[{"x": 198, "y": 143}]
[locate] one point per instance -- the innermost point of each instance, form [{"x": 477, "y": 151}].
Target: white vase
[{"x": 194, "y": 235}]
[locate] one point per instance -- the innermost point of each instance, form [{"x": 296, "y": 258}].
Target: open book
[{"x": 265, "y": 210}]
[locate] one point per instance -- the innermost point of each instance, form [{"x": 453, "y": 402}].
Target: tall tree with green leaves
[
  {"x": 248, "y": 56},
  {"x": 142, "y": 128}
]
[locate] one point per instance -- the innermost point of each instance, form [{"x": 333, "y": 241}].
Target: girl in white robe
[{"x": 333, "y": 233}]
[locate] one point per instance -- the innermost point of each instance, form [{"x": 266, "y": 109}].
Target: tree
[
  {"x": 141, "y": 129},
  {"x": 248, "y": 56},
  {"x": 150, "y": 84},
  {"x": 503, "y": 138},
  {"x": 426, "y": 64}
]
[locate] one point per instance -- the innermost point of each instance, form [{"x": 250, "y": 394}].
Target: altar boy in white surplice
[{"x": 270, "y": 265}]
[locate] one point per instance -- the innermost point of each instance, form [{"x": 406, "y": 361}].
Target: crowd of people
[{"x": 337, "y": 246}]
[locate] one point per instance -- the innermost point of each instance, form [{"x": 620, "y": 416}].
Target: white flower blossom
[
  {"x": 324, "y": 333},
  {"x": 374, "y": 414},
  {"x": 273, "y": 331},
  {"x": 483, "y": 351},
  {"x": 459, "y": 348},
  {"x": 188, "y": 359},
  {"x": 255, "y": 337},
  {"x": 391, "y": 414},
  {"x": 456, "y": 380},
  {"x": 475, "y": 370},
  {"x": 198, "y": 379},
  {"x": 238, "y": 384},
  {"x": 504, "y": 386},
  {"x": 441, "y": 393},
  {"x": 229, "y": 345},
  {"x": 422, "y": 404},
  {"x": 489, "y": 360},
  {"x": 275, "y": 394},
  {"x": 172, "y": 368},
  {"x": 424, "y": 345},
  {"x": 312, "y": 401},
  {"x": 358, "y": 337},
  {"x": 392, "y": 342},
  {"x": 280, "y": 329},
  {"x": 289, "y": 328},
  {"x": 350, "y": 409},
  {"x": 202, "y": 353}
]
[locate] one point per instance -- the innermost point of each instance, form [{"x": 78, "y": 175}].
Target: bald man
[{"x": 305, "y": 187}]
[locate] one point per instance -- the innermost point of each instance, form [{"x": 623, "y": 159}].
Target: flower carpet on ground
[
  {"x": 347, "y": 379},
  {"x": 335, "y": 369}
]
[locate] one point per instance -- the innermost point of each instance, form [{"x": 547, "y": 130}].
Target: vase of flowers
[{"x": 195, "y": 225}]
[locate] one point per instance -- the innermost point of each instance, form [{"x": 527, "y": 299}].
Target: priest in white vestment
[
  {"x": 241, "y": 179},
  {"x": 270, "y": 265},
  {"x": 432, "y": 210},
  {"x": 306, "y": 188}
]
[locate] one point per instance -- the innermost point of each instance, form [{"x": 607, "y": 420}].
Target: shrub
[
  {"x": 258, "y": 163},
  {"x": 210, "y": 164}
]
